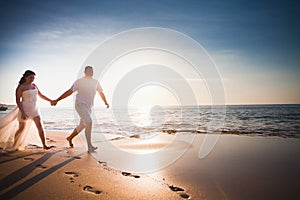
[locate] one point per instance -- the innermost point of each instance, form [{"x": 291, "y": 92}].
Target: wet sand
[{"x": 239, "y": 167}]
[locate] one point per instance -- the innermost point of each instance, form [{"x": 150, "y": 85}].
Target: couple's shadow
[{"x": 21, "y": 173}]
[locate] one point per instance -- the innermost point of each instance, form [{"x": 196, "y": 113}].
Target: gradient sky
[{"x": 255, "y": 45}]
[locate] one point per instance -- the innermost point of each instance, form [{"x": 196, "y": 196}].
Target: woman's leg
[
  {"x": 19, "y": 132},
  {"x": 75, "y": 132},
  {"x": 37, "y": 121}
]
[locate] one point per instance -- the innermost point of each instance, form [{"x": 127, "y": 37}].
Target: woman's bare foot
[
  {"x": 70, "y": 142},
  {"x": 92, "y": 149},
  {"x": 10, "y": 150},
  {"x": 46, "y": 147}
]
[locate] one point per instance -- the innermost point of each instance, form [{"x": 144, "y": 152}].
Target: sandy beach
[{"x": 239, "y": 167}]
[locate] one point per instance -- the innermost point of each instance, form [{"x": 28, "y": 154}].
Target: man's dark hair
[{"x": 88, "y": 67}]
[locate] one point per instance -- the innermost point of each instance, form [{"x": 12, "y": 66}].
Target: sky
[{"x": 254, "y": 44}]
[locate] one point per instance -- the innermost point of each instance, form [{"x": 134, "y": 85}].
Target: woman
[{"x": 25, "y": 111}]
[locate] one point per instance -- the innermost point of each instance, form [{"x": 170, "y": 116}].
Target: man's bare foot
[
  {"x": 70, "y": 142},
  {"x": 92, "y": 149}
]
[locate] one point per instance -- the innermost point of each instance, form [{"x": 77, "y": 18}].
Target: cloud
[{"x": 53, "y": 34}]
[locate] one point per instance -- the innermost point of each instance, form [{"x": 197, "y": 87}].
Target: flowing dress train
[{"x": 9, "y": 124}]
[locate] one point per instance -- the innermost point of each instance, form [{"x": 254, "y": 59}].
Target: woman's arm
[
  {"x": 42, "y": 96},
  {"x": 19, "y": 91}
]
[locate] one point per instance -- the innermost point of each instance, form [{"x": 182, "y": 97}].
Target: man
[{"x": 86, "y": 88}]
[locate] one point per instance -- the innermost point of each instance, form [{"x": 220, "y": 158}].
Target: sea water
[{"x": 279, "y": 119}]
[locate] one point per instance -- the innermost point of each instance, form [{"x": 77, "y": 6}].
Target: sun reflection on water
[{"x": 141, "y": 116}]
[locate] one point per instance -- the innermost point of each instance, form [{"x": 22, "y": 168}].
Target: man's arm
[
  {"x": 64, "y": 95},
  {"x": 103, "y": 98}
]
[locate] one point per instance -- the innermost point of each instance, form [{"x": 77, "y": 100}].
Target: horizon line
[{"x": 230, "y": 104}]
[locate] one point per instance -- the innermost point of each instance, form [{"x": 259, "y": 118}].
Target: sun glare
[
  {"x": 152, "y": 95},
  {"x": 149, "y": 99}
]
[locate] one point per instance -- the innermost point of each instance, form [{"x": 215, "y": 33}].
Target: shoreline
[{"x": 239, "y": 167}]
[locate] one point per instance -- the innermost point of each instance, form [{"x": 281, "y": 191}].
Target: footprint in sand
[
  {"x": 30, "y": 159},
  {"x": 41, "y": 166},
  {"x": 135, "y": 136},
  {"x": 75, "y": 174},
  {"x": 103, "y": 163},
  {"x": 117, "y": 138},
  {"x": 184, "y": 195},
  {"x": 178, "y": 189},
  {"x": 6, "y": 154},
  {"x": 74, "y": 157},
  {"x": 175, "y": 189},
  {"x": 50, "y": 140},
  {"x": 90, "y": 189},
  {"x": 130, "y": 174}
]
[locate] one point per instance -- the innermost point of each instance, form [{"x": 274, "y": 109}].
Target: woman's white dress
[{"x": 9, "y": 124}]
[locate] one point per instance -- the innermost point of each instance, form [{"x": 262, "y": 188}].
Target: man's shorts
[{"x": 84, "y": 112}]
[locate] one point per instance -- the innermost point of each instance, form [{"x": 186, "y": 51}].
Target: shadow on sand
[{"x": 16, "y": 176}]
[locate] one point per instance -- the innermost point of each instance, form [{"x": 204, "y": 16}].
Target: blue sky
[{"x": 255, "y": 44}]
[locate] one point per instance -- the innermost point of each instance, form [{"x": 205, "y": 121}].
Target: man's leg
[
  {"x": 75, "y": 132},
  {"x": 88, "y": 133},
  {"x": 85, "y": 116}
]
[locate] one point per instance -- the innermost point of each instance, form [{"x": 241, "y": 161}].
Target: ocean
[{"x": 275, "y": 120}]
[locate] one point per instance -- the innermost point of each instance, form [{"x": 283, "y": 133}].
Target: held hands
[{"x": 53, "y": 102}]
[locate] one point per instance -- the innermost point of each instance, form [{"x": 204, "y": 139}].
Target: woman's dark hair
[{"x": 27, "y": 73}]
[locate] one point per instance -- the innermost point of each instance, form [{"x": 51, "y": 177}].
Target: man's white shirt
[{"x": 86, "y": 88}]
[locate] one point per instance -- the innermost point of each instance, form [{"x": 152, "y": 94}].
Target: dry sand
[{"x": 239, "y": 167}]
